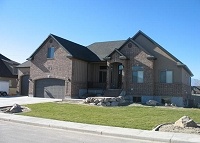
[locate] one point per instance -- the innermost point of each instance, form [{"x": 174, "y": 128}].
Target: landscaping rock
[
  {"x": 185, "y": 121},
  {"x": 104, "y": 101},
  {"x": 87, "y": 100},
  {"x": 152, "y": 103},
  {"x": 96, "y": 101},
  {"x": 92, "y": 104},
  {"x": 99, "y": 104},
  {"x": 16, "y": 108},
  {"x": 113, "y": 100},
  {"x": 114, "y": 103},
  {"x": 107, "y": 103}
]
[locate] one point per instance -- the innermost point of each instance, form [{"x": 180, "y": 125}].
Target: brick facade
[
  {"x": 60, "y": 67},
  {"x": 136, "y": 57}
]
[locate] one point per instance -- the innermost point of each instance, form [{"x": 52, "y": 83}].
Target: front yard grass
[{"x": 128, "y": 117}]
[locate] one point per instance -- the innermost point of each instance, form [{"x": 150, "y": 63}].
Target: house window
[
  {"x": 102, "y": 74},
  {"x": 50, "y": 53},
  {"x": 137, "y": 74},
  {"x": 166, "y": 76}
]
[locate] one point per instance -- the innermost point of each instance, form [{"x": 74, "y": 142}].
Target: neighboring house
[
  {"x": 23, "y": 78},
  {"x": 8, "y": 73},
  {"x": 195, "y": 89},
  {"x": 138, "y": 67}
]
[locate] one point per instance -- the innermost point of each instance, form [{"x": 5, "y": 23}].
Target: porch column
[
  {"x": 108, "y": 76},
  {"x": 124, "y": 75}
]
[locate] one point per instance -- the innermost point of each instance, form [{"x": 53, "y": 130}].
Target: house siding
[{"x": 79, "y": 76}]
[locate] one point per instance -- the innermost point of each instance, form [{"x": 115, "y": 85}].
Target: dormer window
[{"x": 50, "y": 53}]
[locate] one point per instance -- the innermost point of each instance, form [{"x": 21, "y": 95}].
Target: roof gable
[
  {"x": 138, "y": 45},
  {"x": 179, "y": 63},
  {"x": 75, "y": 50},
  {"x": 121, "y": 55},
  {"x": 155, "y": 43},
  {"x": 134, "y": 42}
]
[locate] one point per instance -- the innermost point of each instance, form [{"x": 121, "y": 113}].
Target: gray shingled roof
[
  {"x": 103, "y": 49},
  {"x": 26, "y": 64},
  {"x": 7, "y": 67},
  {"x": 76, "y": 50}
]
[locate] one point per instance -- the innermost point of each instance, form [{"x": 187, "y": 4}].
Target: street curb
[{"x": 101, "y": 130}]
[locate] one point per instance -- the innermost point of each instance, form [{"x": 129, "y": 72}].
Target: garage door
[
  {"x": 24, "y": 84},
  {"x": 50, "y": 88}
]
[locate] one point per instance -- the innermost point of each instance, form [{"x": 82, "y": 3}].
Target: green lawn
[{"x": 128, "y": 117}]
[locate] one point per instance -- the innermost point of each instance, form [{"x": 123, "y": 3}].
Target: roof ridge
[
  {"x": 66, "y": 40},
  {"x": 106, "y": 42}
]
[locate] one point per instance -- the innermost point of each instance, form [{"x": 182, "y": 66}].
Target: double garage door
[{"x": 50, "y": 88}]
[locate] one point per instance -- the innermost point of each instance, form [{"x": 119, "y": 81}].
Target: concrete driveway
[{"x": 21, "y": 100}]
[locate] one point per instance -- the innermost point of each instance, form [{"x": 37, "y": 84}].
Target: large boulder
[
  {"x": 16, "y": 108},
  {"x": 185, "y": 121}
]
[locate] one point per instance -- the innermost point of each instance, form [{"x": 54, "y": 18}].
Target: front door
[{"x": 116, "y": 76}]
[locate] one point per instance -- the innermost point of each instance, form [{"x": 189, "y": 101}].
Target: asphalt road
[{"x": 11, "y": 132}]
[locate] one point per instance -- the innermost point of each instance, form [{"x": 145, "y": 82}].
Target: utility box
[{"x": 4, "y": 88}]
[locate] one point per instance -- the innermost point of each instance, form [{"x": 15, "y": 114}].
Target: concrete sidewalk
[{"x": 105, "y": 130}]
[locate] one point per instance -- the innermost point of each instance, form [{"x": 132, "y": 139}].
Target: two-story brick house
[{"x": 138, "y": 67}]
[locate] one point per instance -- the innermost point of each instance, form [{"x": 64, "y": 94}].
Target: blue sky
[{"x": 174, "y": 24}]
